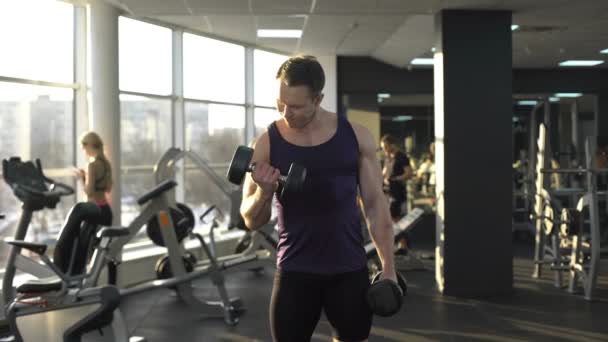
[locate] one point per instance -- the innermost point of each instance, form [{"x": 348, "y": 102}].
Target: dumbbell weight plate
[
  {"x": 163, "y": 267},
  {"x": 189, "y": 221},
  {"x": 239, "y": 164},
  {"x": 384, "y": 297},
  {"x": 548, "y": 220},
  {"x": 565, "y": 222},
  {"x": 181, "y": 231},
  {"x": 295, "y": 179}
]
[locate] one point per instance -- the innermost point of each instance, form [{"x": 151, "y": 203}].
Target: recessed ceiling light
[
  {"x": 422, "y": 61},
  {"x": 580, "y": 63},
  {"x": 568, "y": 94},
  {"x": 554, "y": 99},
  {"x": 514, "y": 27},
  {"x": 604, "y": 51},
  {"x": 401, "y": 118},
  {"x": 267, "y": 33},
  {"x": 384, "y": 96},
  {"x": 527, "y": 102}
]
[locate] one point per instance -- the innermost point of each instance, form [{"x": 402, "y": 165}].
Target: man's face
[
  {"x": 296, "y": 104},
  {"x": 386, "y": 148}
]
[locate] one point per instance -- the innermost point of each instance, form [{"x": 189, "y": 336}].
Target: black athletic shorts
[
  {"x": 298, "y": 299},
  {"x": 395, "y": 206}
]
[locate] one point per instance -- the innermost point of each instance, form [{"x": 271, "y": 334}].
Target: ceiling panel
[
  {"x": 371, "y": 33},
  {"x": 378, "y": 28},
  {"x": 411, "y": 40},
  {"x": 326, "y": 32},
  {"x": 216, "y": 6},
  {"x": 376, "y": 7},
  {"x": 224, "y": 25},
  {"x": 344, "y": 6},
  {"x": 408, "y": 6},
  {"x": 282, "y": 6},
  {"x": 194, "y": 22},
  {"x": 156, "y": 7},
  {"x": 287, "y": 46}
]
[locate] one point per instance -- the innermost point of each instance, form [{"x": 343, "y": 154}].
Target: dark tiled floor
[{"x": 535, "y": 312}]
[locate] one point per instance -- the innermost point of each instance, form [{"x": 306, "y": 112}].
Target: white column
[
  {"x": 330, "y": 66},
  {"x": 179, "y": 116},
  {"x": 249, "y": 96},
  {"x": 105, "y": 110},
  {"x": 81, "y": 118}
]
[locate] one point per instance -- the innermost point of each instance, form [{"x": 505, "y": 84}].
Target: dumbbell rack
[{"x": 581, "y": 260}]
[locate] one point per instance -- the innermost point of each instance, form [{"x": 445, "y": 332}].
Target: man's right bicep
[{"x": 249, "y": 186}]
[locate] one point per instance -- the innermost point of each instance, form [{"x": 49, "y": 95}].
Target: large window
[
  {"x": 265, "y": 67},
  {"x": 36, "y": 40},
  {"x": 262, "y": 117},
  {"x": 213, "y": 70},
  {"x": 145, "y": 134},
  {"x": 212, "y": 131},
  {"x": 144, "y": 57},
  {"x": 36, "y": 122}
]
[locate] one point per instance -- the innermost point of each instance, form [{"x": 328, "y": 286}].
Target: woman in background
[{"x": 97, "y": 177}]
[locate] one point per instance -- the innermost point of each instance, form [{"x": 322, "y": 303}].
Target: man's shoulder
[
  {"x": 361, "y": 131},
  {"x": 261, "y": 145}
]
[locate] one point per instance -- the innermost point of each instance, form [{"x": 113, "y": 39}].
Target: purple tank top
[{"x": 320, "y": 227}]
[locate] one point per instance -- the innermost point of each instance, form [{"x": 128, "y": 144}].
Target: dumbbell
[
  {"x": 241, "y": 164},
  {"x": 385, "y": 297}
]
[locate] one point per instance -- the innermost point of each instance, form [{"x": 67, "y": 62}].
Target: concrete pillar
[{"x": 473, "y": 119}]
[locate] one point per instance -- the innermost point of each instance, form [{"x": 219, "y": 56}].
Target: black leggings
[
  {"x": 105, "y": 216},
  {"x": 298, "y": 298}
]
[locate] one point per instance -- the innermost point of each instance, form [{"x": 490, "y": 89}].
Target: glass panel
[
  {"x": 37, "y": 40},
  {"x": 213, "y": 70},
  {"x": 265, "y": 67},
  {"x": 201, "y": 193},
  {"x": 262, "y": 117},
  {"x": 145, "y": 64},
  {"x": 36, "y": 122},
  {"x": 213, "y": 132},
  {"x": 145, "y": 135}
]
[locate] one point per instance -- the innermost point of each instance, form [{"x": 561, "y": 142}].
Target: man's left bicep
[{"x": 370, "y": 180}]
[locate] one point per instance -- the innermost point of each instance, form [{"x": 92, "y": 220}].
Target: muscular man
[{"x": 321, "y": 262}]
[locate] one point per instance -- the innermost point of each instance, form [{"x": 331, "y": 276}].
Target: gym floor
[{"x": 536, "y": 311}]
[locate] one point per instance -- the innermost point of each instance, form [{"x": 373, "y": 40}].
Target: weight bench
[{"x": 400, "y": 229}]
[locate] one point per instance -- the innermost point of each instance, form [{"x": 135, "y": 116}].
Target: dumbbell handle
[{"x": 282, "y": 178}]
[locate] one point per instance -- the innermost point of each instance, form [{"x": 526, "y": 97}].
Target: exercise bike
[{"x": 57, "y": 306}]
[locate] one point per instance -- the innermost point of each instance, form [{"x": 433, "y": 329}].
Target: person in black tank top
[
  {"x": 321, "y": 263},
  {"x": 396, "y": 171}
]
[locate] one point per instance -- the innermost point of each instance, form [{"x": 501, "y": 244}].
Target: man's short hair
[{"x": 303, "y": 70}]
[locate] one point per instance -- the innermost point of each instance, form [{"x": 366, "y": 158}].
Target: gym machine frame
[
  {"x": 106, "y": 253},
  {"x": 583, "y": 261},
  {"x": 260, "y": 252}
]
